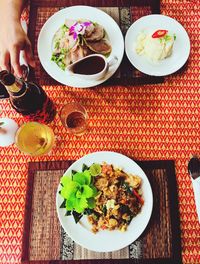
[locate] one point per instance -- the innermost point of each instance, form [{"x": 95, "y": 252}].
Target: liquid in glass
[
  {"x": 74, "y": 118},
  {"x": 35, "y": 139}
]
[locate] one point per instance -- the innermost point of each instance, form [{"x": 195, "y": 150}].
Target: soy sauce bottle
[{"x": 28, "y": 99}]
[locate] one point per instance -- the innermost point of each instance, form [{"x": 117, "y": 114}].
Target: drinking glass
[
  {"x": 74, "y": 117},
  {"x": 34, "y": 138}
]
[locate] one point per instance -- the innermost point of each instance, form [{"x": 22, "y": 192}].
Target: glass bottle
[{"x": 28, "y": 99}]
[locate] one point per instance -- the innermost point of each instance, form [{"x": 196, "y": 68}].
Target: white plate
[
  {"x": 181, "y": 48},
  {"x": 105, "y": 241},
  {"x": 78, "y": 12}
]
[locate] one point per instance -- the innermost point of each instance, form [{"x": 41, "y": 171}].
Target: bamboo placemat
[
  {"x": 123, "y": 12},
  {"x": 44, "y": 241}
]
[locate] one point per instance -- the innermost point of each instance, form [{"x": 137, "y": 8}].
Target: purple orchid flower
[{"x": 78, "y": 29}]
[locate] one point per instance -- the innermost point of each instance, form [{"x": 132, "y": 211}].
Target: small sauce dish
[{"x": 91, "y": 67}]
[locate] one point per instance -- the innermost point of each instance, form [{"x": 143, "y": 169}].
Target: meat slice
[
  {"x": 67, "y": 41},
  {"x": 97, "y": 34},
  {"x": 79, "y": 52},
  {"x": 62, "y": 40},
  {"x": 102, "y": 46},
  {"x": 89, "y": 30}
]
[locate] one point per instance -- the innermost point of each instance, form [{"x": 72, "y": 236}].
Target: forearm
[
  {"x": 13, "y": 38},
  {"x": 11, "y": 10}
]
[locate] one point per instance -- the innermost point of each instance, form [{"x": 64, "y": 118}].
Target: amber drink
[
  {"x": 35, "y": 139},
  {"x": 74, "y": 117}
]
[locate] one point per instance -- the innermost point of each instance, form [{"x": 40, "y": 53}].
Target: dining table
[{"x": 144, "y": 121}]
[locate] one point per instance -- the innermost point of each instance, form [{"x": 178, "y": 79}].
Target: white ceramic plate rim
[
  {"x": 48, "y": 30},
  {"x": 106, "y": 241},
  {"x": 181, "y": 49}
]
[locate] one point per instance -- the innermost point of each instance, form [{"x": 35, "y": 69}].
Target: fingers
[
  {"x": 4, "y": 61},
  {"x": 14, "y": 59},
  {"x": 10, "y": 59},
  {"x": 29, "y": 54}
]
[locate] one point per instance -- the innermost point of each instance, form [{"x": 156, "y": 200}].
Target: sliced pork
[
  {"x": 79, "y": 52},
  {"x": 97, "y": 34},
  {"x": 102, "y": 46},
  {"x": 89, "y": 30}
]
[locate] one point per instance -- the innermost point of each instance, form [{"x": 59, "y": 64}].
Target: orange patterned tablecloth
[{"x": 145, "y": 122}]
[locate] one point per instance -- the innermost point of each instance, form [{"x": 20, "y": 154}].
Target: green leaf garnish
[
  {"x": 83, "y": 202},
  {"x": 167, "y": 37},
  {"x": 76, "y": 216},
  {"x": 104, "y": 209},
  {"x": 68, "y": 213},
  {"x": 65, "y": 28},
  {"x": 88, "y": 211},
  {"x": 79, "y": 178},
  {"x": 91, "y": 203},
  {"x": 65, "y": 180},
  {"x": 68, "y": 190},
  {"x": 174, "y": 37},
  {"x": 87, "y": 191},
  {"x": 57, "y": 45},
  {"x": 78, "y": 194},
  {"x": 78, "y": 191},
  {"x": 80, "y": 205},
  {"x": 95, "y": 192},
  {"x": 85, "y": 167},
  {"x": 69, "y": 205},
  {"x": 63, "y": 205},
  {"x": 74, "y": 172},
  {"x": 87, "y": 176}
]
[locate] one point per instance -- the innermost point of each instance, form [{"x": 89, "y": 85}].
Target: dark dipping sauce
[{"x": 89, "y": 66}]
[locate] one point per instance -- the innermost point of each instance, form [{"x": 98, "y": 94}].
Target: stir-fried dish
[
  {"x": 118, "y": 201},
  {"x": 76, "y": 39},
  {"x": 109, "y": 196}
]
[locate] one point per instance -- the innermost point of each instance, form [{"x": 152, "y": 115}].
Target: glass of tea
[
  {"x": 74, "y": 117},
  {"x": 34, "y": 138}
]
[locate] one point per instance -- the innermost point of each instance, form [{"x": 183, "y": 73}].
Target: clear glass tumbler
[{"x": 74, "y": 117}]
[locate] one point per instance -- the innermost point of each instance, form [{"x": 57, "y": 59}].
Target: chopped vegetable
[{"x": 140, "y": 199}]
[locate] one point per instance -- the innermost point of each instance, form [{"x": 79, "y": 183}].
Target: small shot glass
[{"x": 74, "y": 117}]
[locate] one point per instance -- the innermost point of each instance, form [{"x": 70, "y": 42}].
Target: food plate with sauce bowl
[
  {"x": 49, "y": 29},
  {"x": 153, "y": 23},
  {"x": 93, "y": 67}
]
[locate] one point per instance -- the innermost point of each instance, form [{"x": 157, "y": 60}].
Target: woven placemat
[
  {"x": 123, "y": 12},
  {"x": 44, "y": 241}
]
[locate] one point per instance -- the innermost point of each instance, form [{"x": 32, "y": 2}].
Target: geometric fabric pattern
[{"x": 149, "y": 122}]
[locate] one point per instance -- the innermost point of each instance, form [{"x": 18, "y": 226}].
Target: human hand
[{"x": 13, "y": 39}]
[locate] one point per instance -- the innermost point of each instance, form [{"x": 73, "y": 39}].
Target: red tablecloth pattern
[{"x": 144, "y": 122}]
